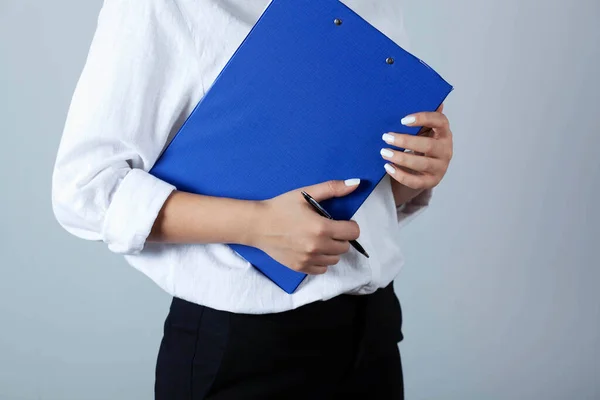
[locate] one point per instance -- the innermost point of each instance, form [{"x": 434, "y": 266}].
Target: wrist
[{"x": 251, "y": 230}]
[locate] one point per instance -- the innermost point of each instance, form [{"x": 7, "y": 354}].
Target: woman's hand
[
  {"x": 430, "y": 151},
  {"x": 290, "y": 231}
]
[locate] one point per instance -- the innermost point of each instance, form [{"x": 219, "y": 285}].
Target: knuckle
[
  {"x": 320, "y": 229},
  {"x": 299, "y": 265},
  {"x": 428, "y": 146},
  {"x": 445, "y": 120},
  {"x": 399, "y": 140},
  {"x": 305, "y": 260},
  {"x": 310, "y": 249},
  {"x": 427, "y": 165},
  {"x": 400, "y": 178},
  {"x": 414, "y": 163},
  {"x": 332, "y": 187},
  {"x": 399, "y": 157}
]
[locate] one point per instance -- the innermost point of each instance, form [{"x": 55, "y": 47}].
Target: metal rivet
[
  {"x": 337, "y": 21},
  {"x": 389, "y": 60}
]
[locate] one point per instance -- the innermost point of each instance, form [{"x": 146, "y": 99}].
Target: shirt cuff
[
  {"x": 133, "y": 210},
  {"x": 409, "y": 211}
]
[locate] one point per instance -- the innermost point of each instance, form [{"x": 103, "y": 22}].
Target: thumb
[{"x": 326, "y": 190}]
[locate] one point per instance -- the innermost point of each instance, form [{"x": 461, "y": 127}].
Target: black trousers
[{"x": 346, "y": 347}]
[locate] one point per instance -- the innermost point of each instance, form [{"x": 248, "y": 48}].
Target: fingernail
[
  {"x": 390, "y": 169},
  {"x": 408, "y": 120},
  {"x": 352, "y": 182},
  {"x": 387, "y": 153},
  {"x": 389, "y": 139}
]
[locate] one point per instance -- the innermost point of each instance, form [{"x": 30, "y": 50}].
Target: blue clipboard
[{"x": 304, "y": 99}]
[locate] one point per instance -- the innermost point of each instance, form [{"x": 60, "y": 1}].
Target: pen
[{"x": 318, "y": 208}]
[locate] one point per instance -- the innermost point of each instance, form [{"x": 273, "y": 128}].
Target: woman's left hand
[{"x": 430, "y": 151}]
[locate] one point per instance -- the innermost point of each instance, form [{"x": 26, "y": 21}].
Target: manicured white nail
[
  {"x": 352, "y": 182},
  {"x": 390, "y": 169},
  {"x": 389, "y": 139},
  {"x": 387, "y": 153},
  {"x": 408, "y": 120}
]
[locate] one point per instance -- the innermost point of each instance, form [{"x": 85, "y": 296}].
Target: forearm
[
  {"x": 191, "y": 218},
  {"x": 403, "y": 194}
]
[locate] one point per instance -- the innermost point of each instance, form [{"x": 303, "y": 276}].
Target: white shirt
[{"x": 149, "y": 63}]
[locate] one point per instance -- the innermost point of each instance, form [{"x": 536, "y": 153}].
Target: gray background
[{"x": 500, "y": 291}]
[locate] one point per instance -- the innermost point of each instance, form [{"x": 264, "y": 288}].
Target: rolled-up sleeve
[{"x": 137, "y": 86}]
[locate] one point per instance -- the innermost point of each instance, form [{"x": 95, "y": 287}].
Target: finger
[
  {"x": 412, "y": 161},
  {"x": 326, "y": 190},
  {"x": 325, "y": 260},
  {"x": 315, "y": 270},
  {"x": 343, "y": 230},
  {"x": 410, "y": 180},
  {"x": 434, "y": 120},
  {"x": 333, "y": 247},
  {"x": 421, "y": 144}
]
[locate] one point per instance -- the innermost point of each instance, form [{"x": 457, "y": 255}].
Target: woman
[{"x": 230, "y": 332}]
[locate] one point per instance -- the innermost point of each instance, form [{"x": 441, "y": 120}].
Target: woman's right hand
[{"x": 291, "y": 232}]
